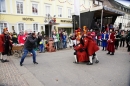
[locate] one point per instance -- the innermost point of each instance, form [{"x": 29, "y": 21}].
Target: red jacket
[
  {"x": 111, "y": 43},
  {"x": 81, "y": 54},
  {"x": 1, "y": 43},
  {"x": 21, "y": 39}
]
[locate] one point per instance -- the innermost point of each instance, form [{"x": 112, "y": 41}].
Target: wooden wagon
[{"x": 17, "y": 50}]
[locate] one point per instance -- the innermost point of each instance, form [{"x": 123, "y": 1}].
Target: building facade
[
  {"x": 35, "y": 15},
  {"x": 122, "y": 22}
]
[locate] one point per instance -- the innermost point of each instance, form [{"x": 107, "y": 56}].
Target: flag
[{"x": 76, "y": 7}]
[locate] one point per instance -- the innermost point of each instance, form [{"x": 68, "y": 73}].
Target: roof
[{"x": 107, "y": 11}]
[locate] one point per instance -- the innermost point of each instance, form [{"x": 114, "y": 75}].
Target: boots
[
  {"x": 2, "y": 60},
  {"x": 112, "y": 53},
  {"x": 75, "y": 59},
  {"x": 91, "y": 62},
  {"x": 108, "y": 52}
]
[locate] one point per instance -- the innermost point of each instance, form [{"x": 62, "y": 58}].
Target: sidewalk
[{"x": 10, "y": 75}]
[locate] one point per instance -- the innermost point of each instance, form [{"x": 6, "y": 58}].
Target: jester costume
[{"x": 85, "y": 48}]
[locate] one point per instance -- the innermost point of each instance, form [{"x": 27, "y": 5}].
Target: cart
[{"x": 17, "y": 50}]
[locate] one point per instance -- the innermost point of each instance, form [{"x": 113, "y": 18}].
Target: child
[{"x": 41, "y": 44}]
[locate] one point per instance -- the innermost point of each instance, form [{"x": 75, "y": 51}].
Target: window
[
  {"x": 100, "y": 3},
  {"x": 97, "y": 2},
  {"x": 35, "y": 9},
  {"x": 19, "y": 7},
  {"x": 69, "y": 13},
  {"x": 35, "y": 27},
  {"x": 2, "y": 26},
  {"x": 47, "y": 10},
  {"x": 20, "y": 27},
  {"x": 2, "y": 6},
  {"x": 59, "y": 11}
]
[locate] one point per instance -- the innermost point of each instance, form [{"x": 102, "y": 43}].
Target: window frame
[
  {"x": 1, "y": 30},
  {"x": 34, "y": 3},
  {"x": 98, "y": 2},
  {"x": 35, "y": 27},
  {"x": 60, "y": 12},
  {"x": 47, "y": 10},
  {"x": 69, "y": 13},
  {"x": 5, "y": 8},
  {"x": 22, "y": 8},
  {"x": 18, "y": 30}
]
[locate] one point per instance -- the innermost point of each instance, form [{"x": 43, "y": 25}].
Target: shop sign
[
  {"x": 28, "y": 19},
  {"x": 67, "y": 21}
]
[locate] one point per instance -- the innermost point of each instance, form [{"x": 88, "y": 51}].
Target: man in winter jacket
[{"x": 29, "y": 47}]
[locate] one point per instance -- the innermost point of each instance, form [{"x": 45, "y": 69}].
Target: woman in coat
[{"x": 5, "y": 44}]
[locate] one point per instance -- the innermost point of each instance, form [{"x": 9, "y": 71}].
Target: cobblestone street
[
  {"x": 10, "y": 76},
  {"x": 58, "y": 69}
]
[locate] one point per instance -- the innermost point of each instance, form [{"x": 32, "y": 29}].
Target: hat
[{"x": 79, "y": 30}]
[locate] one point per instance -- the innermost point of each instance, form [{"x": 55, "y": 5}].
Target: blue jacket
[{"x": 64, "y": 37}]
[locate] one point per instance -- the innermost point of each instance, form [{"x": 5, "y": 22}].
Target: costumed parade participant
[
  {"x": 50, "y": 46},
  {"x": 104, "y": 39},
  {"x": 90, "y": 46},
  {"x": 87, "y": 47},
  {"x": 80, "y": 54},
  {"x": 4, "y": 45},
  {"x": 111, "y": 43}
]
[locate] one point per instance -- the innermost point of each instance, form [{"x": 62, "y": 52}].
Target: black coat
[
  {"x": 30, "y": 42},
  {"x": 6, "y": 44}
]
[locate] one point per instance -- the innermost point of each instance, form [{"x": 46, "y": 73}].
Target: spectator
[
  {"x": 15, "y": 38},
  {"x": 21, "y": 38},
  {"x": 64, "y": 40},
  {"x": 117, "y": 38},
  {"x": 122, "y": 40},
  {"x": 55, "y": 40},
  {"x": 41, "y": 45}
]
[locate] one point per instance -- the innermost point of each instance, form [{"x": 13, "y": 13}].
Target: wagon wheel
[
  {"x": 16, "y": 54},
  {"x": 20, "y": 52}
]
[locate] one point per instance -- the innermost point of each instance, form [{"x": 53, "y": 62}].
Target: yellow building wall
[
  {"x": 7, "y": 6},
  {"x": 16, "y": 19},
  {"x": 12, "y": 18}
]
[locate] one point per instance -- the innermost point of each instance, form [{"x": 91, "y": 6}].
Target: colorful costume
[
  {"x": 87, "y": 47},
  {"x": 50, "y": 46},
  {"x": 80, "y": 54},
  {"x": 90, "y": 45},
  {"x": 5, "y": 40},
  {"x": 111, "y": 42}
]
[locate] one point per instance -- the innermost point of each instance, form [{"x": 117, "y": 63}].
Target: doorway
[{"x": 48, "y": 32}]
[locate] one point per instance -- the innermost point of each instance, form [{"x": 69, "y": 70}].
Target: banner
[{"x": 76, "y": 7}]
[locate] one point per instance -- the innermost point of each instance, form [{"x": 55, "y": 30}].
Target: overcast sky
[{"x": 125, "y": 2}]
